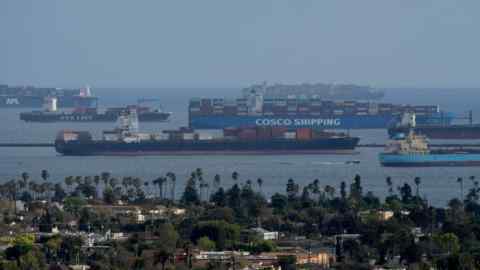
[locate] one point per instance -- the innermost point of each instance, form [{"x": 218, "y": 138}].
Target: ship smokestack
[{"x": 50, "y": 104}]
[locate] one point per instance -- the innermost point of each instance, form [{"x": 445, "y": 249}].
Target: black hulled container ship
[
  {"x": 34, "y": 97},
  {"x": 126, "y": 140}
]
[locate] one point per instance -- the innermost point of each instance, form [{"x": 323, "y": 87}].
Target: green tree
[
  {"x": 165, "y": 247},
  {"x": 74, "y": 205},
  {"x": 448, "y": 242},
  {"x": 417, "y": 180},
  {"x": 219, "y": 198},
  {"x": 204, "y": 243}
]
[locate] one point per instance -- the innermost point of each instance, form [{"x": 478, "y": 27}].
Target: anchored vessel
[
  {"x": 126, "y": 140},
  {"x": 319, "y": 90},
  {"x": 33, "y": 97},
  {"x": 300, "y": 111},
  {"x": 456, "y": 131},
  {"x": 412, "y": 150},
  {"x": 50, "y": 114}
]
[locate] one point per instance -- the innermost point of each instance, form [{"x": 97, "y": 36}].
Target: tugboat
[
  {"x": 412, "y": 150},
  {"x": 127, "y": 140}
]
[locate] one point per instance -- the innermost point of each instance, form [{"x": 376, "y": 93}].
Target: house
[
  {"x": 259, "y": 233},
  {"x": 321, "y": 257},
  {"x": 79, "y": 267}
]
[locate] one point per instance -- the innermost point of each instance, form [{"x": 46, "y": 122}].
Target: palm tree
[
  {"x": 249, "y": 183},
  {"x": 25, "y": 176},
  {"x": 45, "y": 175},
  {"x": 390, "y": 185},
  {"x": 460, "y": 181},
  {"x": 173, "y": 179},
  {"x": 199, "y": 173},
  {"x": 330, "y": 191},
  {"x": 11, "y": 190},
  {"x": 96, "y": 180},
  {"x": 68, "y": 182},
  {"x": 472, "y": 178},
  {"x": 145, "y": 186},
  {"x": 235, "y": 176},
  {"x": 417, "y": 181},
  {"x": 126, "y": 183},
  {"x": 201, "y": 185},
  {"x": 160, "y": 181},
  {"x": 216, "y": 181},
  {"x": 105, "y": 176},
  {"x": 260, "y": 184},
  {"x": 31, "y": 186}
]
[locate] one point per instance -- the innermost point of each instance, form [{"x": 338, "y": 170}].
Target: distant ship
[
  {"x": 316, "y": 90},
  {"x": 412, "y": 150},
  {"x": 297, "y": 112},
  {"x": 126, "y": 140},
  {"x": 441, "y": 131},
  {"x": 51, "y": 114},
  {"x": 34, "y": 97}
]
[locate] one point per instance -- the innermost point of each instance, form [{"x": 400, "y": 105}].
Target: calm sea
[{"x": 438, "y": 184}]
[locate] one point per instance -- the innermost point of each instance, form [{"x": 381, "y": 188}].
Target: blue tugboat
[{"x": 412, "y": 150}]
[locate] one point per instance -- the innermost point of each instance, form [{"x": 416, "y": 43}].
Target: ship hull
[
  {"x": 316, "y": 122},
  {"x": 274, "y": 147},
  {"x": 46, "y": 117},
  {"x": 430, "y": 160},
  {"x": 442, "y": 132}
]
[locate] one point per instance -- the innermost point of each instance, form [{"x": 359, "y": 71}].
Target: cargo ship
[
  {"x": 412, "y": 150},
  {"x": 454, "y": 131},
  {"x": 126, "y": 140},
  {"x": 298, "y": 112},
  {"x": 51, "y": 114},
  {"x": 34, "y": 97},
  {"x": 318, "y": 90}
]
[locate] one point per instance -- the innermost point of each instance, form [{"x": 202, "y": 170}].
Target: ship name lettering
[
  {"x": 12, "y": 101},
  {"x": 298, "y": 122}
]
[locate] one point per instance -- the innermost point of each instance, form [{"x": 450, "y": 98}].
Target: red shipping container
[
  {"x": 278, "y": 132},
  {"x": 304, "y": 134},
  {"x": 247, "y": 134}
]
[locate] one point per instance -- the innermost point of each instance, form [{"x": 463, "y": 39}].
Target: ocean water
[{"x": 438, "y": 184}]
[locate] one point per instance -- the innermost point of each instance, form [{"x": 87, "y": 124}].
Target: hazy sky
[{"x": 109, "y": 43}]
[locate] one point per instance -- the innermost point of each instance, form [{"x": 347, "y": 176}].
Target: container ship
[
  {"x": 453, "y": 131},
  {"x": 298, "y": 112},
  {"x": 412, "y": 150},
  {"x": 318, "y": 90},
  {"x": 33, "y": 97},
  {"x": 51, "y": 114},
  {"x": 126, "y": 140}
]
